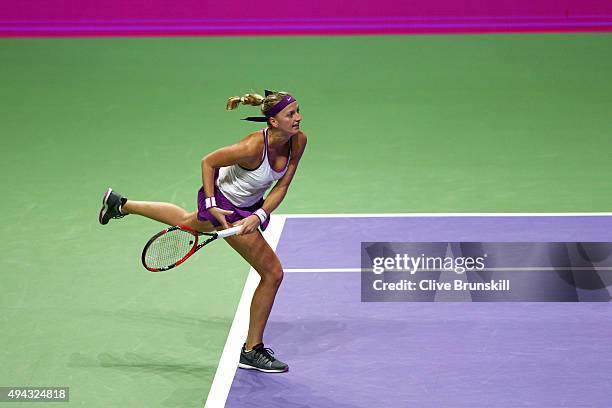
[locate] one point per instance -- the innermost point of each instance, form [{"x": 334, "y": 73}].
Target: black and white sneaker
[
  {"x": 262, "y": 359},
  {"x": 111, "y": 206}
]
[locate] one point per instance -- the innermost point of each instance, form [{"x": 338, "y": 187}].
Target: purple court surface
[{"x": 344, "y": 353}]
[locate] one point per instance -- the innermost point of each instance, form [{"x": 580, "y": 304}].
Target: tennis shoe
[
  {"x": 261, "y": 359},
  {"x": 111, "y": 206}
]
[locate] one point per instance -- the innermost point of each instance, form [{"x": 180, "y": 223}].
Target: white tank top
[{"x": 245, "y": 187}]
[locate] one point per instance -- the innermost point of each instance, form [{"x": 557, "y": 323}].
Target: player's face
[{"x": 288, "y": 120}]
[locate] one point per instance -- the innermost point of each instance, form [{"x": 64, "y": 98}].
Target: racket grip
[{"x": 229, "y": 232}]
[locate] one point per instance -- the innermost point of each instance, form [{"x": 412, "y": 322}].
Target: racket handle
[{"x": 229, "y": 232}]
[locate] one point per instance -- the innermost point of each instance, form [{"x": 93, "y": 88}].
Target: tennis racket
[{"x": 173, "y": 246}]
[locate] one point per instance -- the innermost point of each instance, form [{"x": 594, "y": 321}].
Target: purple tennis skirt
[{"x": 225, "y": 204}]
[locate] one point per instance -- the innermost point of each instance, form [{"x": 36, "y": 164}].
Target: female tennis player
[{"x": 235, "y": 179}]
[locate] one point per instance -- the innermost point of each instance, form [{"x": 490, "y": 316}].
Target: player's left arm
[{"x": 279, "y": 191}]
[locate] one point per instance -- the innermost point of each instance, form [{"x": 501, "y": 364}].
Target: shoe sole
[
  {"x": 248, "y": 367},
  {"x": 104, "y": 208}
]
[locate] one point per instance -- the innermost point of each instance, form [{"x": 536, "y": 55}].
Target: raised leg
[{"x": 166, "y": 213}]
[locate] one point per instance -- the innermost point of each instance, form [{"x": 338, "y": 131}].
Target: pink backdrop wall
[{"x": 244, "y": 17}]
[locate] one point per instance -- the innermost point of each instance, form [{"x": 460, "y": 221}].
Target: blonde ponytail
[
  {"x": 267, "y": 103},
  {"x": 252, "y": 99}
]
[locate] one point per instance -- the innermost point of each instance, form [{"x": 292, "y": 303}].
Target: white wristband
[
  {"x": 261, "y": 213},
  {"x": 210, "y": 202}
]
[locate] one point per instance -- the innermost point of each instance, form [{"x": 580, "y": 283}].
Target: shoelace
[{"x": 267, "y": 353}]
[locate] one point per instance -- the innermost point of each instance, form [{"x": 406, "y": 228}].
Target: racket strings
[{"x": 169, "y": 248}]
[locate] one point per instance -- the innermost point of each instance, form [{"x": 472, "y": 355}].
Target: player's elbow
[{"x": 206, "y": 161}]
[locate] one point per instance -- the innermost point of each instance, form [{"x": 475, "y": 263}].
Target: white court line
[
  {"x": 508, "y": 269},
  {"x": 222, "y": 382},
  {"x": 413, "y": 215},
  {"x": 294, "y": 270},
  {"x": 226, "y": 370}
]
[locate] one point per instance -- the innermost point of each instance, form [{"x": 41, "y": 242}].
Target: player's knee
[{"x": 275, "y": 275}]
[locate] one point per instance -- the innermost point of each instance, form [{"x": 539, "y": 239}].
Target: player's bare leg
[
  {"x": 256, "y": 251},
  {"x": 116, "y": 206}
]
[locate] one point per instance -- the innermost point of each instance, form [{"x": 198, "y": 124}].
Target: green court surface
[{"x": 470, "y": 123}]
